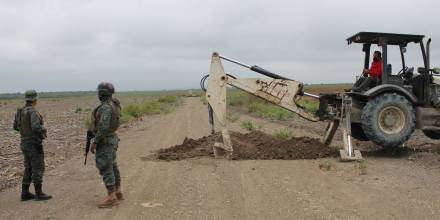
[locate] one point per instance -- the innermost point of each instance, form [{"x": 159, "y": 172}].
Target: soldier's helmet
[
  {"x": 105, "y": 89},
  {"x": 30, "y": 95}
]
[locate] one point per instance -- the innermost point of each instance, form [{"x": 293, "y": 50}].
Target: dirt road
[{"x": 393, "y": 188}]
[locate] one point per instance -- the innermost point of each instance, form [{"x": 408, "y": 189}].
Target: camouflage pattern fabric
[
  {"x": 105, "y": 123},
  {"x": 33, "y": 167},
  {"x": 106, "y": 163},
  {"x": 29, "y": 123}
]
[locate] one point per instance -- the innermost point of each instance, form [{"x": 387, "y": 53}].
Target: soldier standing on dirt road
[
  {"x": 29, "y": 123},
  {"x": 105, "y": 122}
]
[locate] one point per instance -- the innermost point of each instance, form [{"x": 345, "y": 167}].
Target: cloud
[{"x": 150, "y": 45}]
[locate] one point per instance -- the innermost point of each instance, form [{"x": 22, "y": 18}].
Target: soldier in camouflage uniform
[
  {"x": 105, "y": 122},
  {"x": 29, "y": 123}
]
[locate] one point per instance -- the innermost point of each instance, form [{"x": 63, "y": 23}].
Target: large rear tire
[{"x": 388, "y": 120}]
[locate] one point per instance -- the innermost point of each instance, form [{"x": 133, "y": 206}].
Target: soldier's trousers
[
  {"x": 33, "y": 165},
  {"x": 107, "y": 166}
]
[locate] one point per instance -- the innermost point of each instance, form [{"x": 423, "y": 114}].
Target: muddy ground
[
  {"x": 387, "y": 185},
  {"x": 255, "y": 145}
]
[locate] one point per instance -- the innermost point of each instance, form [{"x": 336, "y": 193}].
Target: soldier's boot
[
  {"x": 25, "y": 194},
  {"x": 119, "y": 194},
  {"x": 39, "y": 195},
  {"x": 110, "y": 201}
]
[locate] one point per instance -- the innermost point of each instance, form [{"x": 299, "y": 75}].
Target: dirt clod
[{"x": 254, "y": 145}]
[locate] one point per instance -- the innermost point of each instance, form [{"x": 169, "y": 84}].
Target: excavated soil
[{"x": 254, "y": 145}]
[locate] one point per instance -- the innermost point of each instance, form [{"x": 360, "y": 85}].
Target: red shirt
[{"x": 376, "y": 68}]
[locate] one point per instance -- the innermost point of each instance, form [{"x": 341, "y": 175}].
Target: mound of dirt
[{"x": 254, "y": 145}]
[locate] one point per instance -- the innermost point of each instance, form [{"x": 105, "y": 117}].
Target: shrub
[
  {"x": 326, "y": 165},
  {"x": 309, "y": 105},
  {"x": 254, "y": 108},
  {"x": 88, "y": 122},
  {"x": 203, "y": 99},
  {"x": 237, "y": 98},
  {"x": 164, "y": 104},
  {"x": 78, "y": 110},
  {"x": 283, "y": 134},
  {"x": 125, "y": 118},
  {"x": 133, "y": 110},
  {"x": 263, "y": 108},
  {"x": 362, "y": 167},
  {"x": 248, "y": 126},
  {"x": 232, "y": 117},
  {"x": 168, "y": 99},
  {"x": 152, "y": 107}
]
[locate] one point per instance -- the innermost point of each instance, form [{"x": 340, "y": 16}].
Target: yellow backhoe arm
[
  {"x": 276, "y": 89},
  {"x": 282, "y": 92}
]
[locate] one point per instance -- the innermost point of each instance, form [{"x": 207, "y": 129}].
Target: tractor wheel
[
  {"x": 432, "y": 134},
  {"x": 357, "y": 132},
  {"x": 388, "y": 120}
]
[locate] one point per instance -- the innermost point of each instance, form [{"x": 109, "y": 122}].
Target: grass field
[
  {"x": 261, "y": 108},
  {"x": 256, "y": 106},
  {"x": 163, "y": 104}
]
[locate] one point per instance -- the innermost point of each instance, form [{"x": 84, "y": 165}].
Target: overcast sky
[{"x": 56, "y": 45}]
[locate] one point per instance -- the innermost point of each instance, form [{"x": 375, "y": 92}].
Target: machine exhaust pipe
[{"x": 428, "y": 53}]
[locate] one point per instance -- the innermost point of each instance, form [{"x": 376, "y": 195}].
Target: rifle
[{"x": 90, "y": 136}]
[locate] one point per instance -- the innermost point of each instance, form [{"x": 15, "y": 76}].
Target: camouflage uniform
[
  {"x": 29, "y": 123},
  {"x": 105, "y": 122}
]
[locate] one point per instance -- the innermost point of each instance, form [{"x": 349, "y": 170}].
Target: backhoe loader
[{"x": 386, "y": 113}]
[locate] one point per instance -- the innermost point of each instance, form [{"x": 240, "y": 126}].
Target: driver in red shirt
[
  {"x": 376, "y": 66},
  {"x": 375, "y": 73}
]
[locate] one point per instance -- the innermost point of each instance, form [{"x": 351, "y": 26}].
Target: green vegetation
[
  {"x": 167, "y": 99},
  {"x": 203, "y": 99},
  {"x": 283, "y": 134},
  {"x": 232, "y": 117},
  {"x": 248, "y": 125},
  {"x": 309, "y": 105},
  {"x": 263, "y": 108},
  {"x": 238, "y": 98},
  {"x": 78, "y": 110},
  {"x": 362, "y": 167},
  {"x": 134, "y": 111},
  {"x": 163, "y": 104},
  {"x": 88, "y": 122},
  {"x": 18, "y": 173},
  {"x": 326, "y": 165},
  {"x": 268, "y": 110},
  {"x": 257, "y": 106},
  {"x": 58, "y": 96}
]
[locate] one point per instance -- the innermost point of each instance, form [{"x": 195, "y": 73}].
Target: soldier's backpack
[
  {"x": 116, "y": 115},
  {"x": 114, "y": 121}
]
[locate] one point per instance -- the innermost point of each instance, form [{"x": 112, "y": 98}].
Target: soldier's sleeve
[
  {"x": 17, "y": 121},
  {"x": 103, "y": 124},
  {"x": 36, "y": 124}
]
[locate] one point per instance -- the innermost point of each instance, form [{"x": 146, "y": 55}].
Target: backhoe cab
[
  {"x": 403, "y": 100},
  {"x": 386, "y": 114}
]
